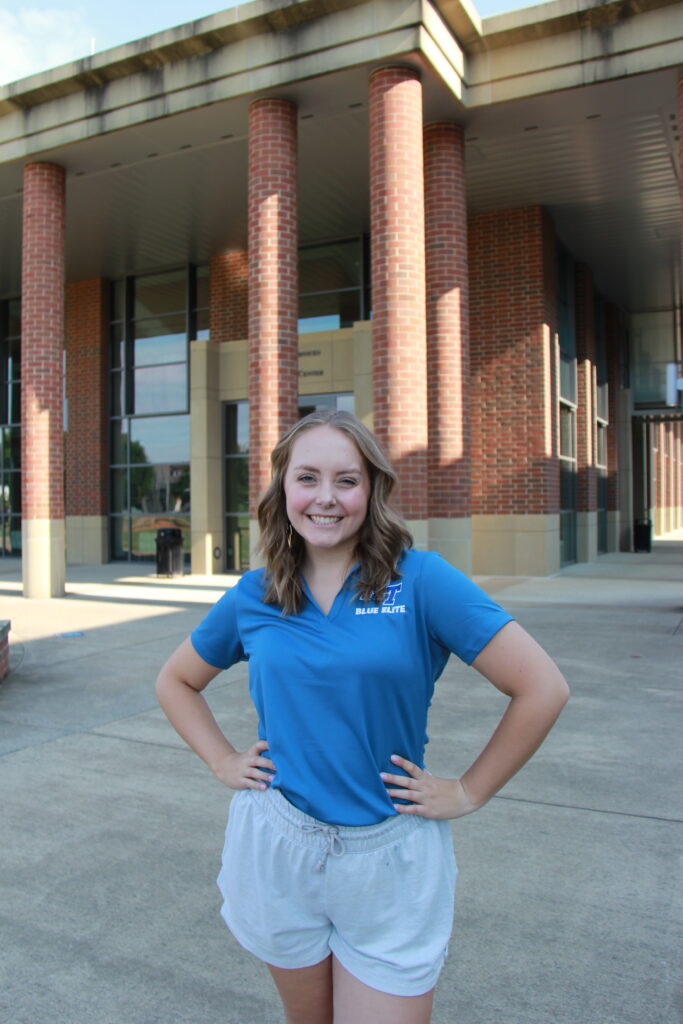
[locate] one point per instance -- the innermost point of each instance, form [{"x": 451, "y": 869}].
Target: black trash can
[
  {"x": 169, "y": 552},
  {"x": 642, "y": 535}
]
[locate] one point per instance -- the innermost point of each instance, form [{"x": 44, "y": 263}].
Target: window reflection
[
  {"x": 160, "y": 488},
  {"x": 160, "y": 439},
  {"x": 161, "y": 389},
  {"x": 160, "y": 293},
  {"x": 161, "y": 340}
]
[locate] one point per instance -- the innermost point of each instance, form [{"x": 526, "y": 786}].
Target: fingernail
[
  {"x": 395, "y": 757},
  {"x": 383, "y": 775}
]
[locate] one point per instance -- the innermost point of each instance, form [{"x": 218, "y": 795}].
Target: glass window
[
  {"x": 237, "y": 484},
  {"x": 237, "y": 543},
  {"x": 160, "y": 340},
  {"x": 150, "y": 425},
  {"x": 118, "y": 490},
  {"x": 161, "y": 389},
  {"x": 117, "y": 394},
  {"x": 567, "y": 432},
  {"x": 11, "y": 448},
  {"x": 236, "y": 428},
  {"x": 328, "y": 312},
  {"x": 202, "y": 330},
  {"x": 326, "y": 268},
  {"x": 14, "y": 318},
  {"x": 163, "y": 439},
  {"x": 160, "y": 293},
  {"x": 160, "y": 489},
  {"x": 117, "y": 347},
  {"x": 202, "y": 287}
]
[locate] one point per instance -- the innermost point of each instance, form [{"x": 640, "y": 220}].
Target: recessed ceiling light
[
  {"x": 188, "y": 145},
  {"x": 79, "y": 174},
  {"x": 592, "y": 117},
  {"x": 306, "y": 117},
  {"x": 115, "y": 164},
  {"x": 354, "y": 106},
  {"x": 227, "y": 136},
  {"x": 150, "y": 155},
  {"x": 531, "y": 128}
]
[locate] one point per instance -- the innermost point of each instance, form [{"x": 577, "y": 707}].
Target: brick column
[
  {"x": 586, "y": 478},
  {"x": 87, "y": 304},
  {"x": 228, "y": 296},
  {"x": 273, "y": 284},
  {"x": 398, "y": 285},
  {"x": 42, "y": 349},
  {"x": 514, "y": 393},
  {"x": 448, "y": 356}
]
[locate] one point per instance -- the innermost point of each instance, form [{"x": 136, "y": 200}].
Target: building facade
[{"x": 467, "y": 231}]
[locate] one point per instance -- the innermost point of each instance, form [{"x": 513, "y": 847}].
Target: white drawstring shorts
[{"x": 380, "y": 897}]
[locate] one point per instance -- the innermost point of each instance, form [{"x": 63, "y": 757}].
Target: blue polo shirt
[{"x": 338, "y": 694}]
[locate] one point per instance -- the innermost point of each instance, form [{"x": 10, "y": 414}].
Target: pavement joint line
[{"x": 589, "y": 810}]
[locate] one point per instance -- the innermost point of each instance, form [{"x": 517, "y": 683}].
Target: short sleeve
[
  {"x": 217, "y": 639},
  {"x": 459, "y": 615}
]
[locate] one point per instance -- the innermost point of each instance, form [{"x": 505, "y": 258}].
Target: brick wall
[
  {"x": 86, "y": 360},
  {"x": 228, "y": 291},
  {"x": 447, "y": 321},
  {"x": 513, "y": 392},
  {"x": 586, "y": 476},
  {"x": 42, "y": 342},
  {"x": 398, "y": 280},
  {"x": 273, "y": 283}
]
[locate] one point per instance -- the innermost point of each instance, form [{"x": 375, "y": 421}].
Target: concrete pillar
[
  {"x": 42, "y": 355},
  {"x": 448, "y": 357},
  {"x": 398, "y": 285},
  {"x": 273, "y": 286},
  {"x": 86, "y": 469},
  {"x": 586, "y": 475}
]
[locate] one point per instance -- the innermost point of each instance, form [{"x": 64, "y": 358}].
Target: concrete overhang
[{"x": 571, "y": 105}]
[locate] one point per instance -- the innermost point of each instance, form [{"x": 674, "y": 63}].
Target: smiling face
[{"x": 327, "y": 489}]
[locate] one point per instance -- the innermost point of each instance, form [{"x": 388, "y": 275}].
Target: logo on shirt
[{"x": 388, "y": 605}]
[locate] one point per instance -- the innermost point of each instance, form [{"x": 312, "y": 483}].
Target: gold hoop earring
[{"x": 290, "y": 535}]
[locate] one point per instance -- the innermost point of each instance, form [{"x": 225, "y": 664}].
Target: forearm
[
  {"x": 191, "y": 717},
  {"x": 520, "y": 732}
]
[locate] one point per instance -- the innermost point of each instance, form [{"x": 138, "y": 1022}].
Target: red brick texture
[
  {"x": 42, "y": 342},
  {"x": 398, "y": 280},
  {"x": 586, "y": 382},
  {"x": 228, "y": 290},
  {"x": 447, "y": 321},
  {"x": 86, "y": 391},
  {"x": 513, "y": 363},
  {"x": 273, "y": 283}
]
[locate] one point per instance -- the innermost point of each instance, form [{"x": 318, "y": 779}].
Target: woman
[{"x": 338, "y": 868}]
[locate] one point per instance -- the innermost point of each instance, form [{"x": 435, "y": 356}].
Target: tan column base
[
  {"x": 586, "y": 536},
  {"x": 613, "y": 530},
  {"x": 206, "y": 460},
  {"x": 419, "y": 528},
  {"x": 43, "y": 557},
  {"x": 255, "y": 557},
  {"x": 86, "y": 540},
  {"x": 516, "y": 545},
  {"x": 452, "y": 539}
]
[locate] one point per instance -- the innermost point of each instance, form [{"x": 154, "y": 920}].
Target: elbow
[{"x": 562, "y": 691}]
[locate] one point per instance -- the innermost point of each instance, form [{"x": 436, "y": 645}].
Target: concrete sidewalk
[{"x": 569, "y": 906}]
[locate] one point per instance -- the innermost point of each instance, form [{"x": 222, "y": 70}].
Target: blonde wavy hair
[{"x": 382, "y": 537}]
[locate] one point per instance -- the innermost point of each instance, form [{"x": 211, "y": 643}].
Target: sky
[{"x": 42, "y": 34}]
